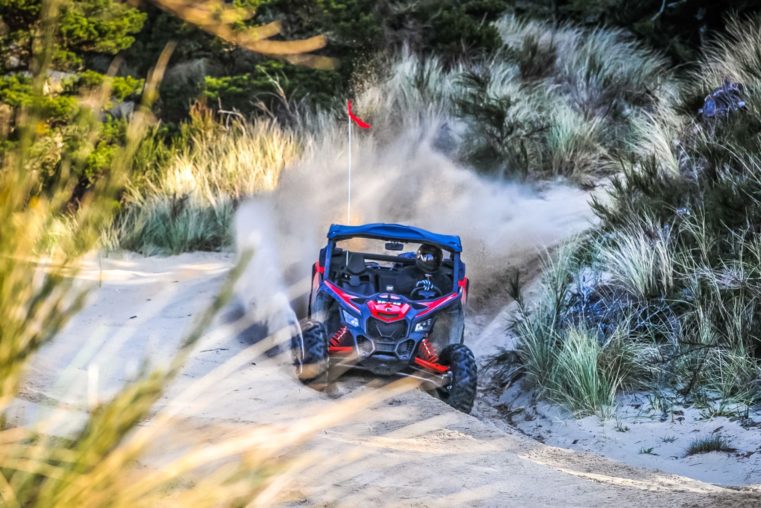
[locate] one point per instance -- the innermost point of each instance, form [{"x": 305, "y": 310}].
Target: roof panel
[{"x": 385, "y": 231}]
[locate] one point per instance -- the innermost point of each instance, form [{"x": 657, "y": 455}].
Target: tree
[
  {"x": 229, "y": 23},
  {"x": 85, "y": 28}
]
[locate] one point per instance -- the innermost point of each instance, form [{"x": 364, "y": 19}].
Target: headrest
[{"x": 356, "y": 264}]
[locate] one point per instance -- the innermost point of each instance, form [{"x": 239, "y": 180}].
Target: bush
[
  {"x": 84, "y": 27},
  {"x": 16, "y": 90},
  {"x": 64, "y": 122},
  {"x": 122, "y": 87},
  {"x": 559, "y": 100}
]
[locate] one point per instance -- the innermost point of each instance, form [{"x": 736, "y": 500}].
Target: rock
[
  {"x": 122, "y": 109},
  {"x": 724, "y": 101}
]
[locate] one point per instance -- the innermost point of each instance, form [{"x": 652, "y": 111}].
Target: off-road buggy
[{"x": 365, "y": 313}]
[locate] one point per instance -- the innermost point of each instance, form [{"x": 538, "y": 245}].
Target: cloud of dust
[{"x": 407, "y": 181}]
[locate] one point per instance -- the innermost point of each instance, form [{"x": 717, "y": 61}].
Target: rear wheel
[
  {"x": 461, "y": 391},
  {"x": 310, "y": 354}
]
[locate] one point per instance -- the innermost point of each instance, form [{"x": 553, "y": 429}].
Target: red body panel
[
  {"x": 463, "y": 284},
  {"x": 343, "y": 295},
  {"x": 388, "y": 312},
  {"x": 431, "y": 306},
  {"x": 436, "y": 367}
]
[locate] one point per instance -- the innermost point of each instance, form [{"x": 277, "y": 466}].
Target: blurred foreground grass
[{"x": 98, "y": 465}]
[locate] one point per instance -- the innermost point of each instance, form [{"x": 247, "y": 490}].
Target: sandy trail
[{"x": 410, "y": 449}]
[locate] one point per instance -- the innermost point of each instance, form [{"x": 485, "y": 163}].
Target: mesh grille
[
  {"x": 385, "y": 347},
  {"x": 396, "y": 330}
]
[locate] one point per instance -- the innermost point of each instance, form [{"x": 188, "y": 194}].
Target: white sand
[
  {"x": 644, "y": 431},
  {"x": 408, "y": 450},
  {"x": 645, "y": 436}
]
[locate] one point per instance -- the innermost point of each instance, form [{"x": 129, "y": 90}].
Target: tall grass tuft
[
  {"x": 581, "y": 378},
  {"x": 708, "y": 445},
  {"x": 640, "y": 259}
]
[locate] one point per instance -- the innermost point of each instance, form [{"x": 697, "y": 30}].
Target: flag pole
[
  {"x": 348, "y": 202},
  {"x": 348, "y": 184},
  {"x": 352, "y": 118}
]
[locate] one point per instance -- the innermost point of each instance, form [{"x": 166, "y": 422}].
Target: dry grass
[
  {"x": 640, "y": 260},
  {"x": 190, "y": 203}
]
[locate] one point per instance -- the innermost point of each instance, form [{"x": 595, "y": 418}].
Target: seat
[
  {"x": 356, "y": 263},
  {"x": 388, "y": 282},
  {"x": 356, "y": 278}
]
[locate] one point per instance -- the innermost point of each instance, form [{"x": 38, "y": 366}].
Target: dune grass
[
  {"x": 707, "y": 445},
  {"x": 566, "y": 359},
  {"x": 189, "y": 203},
  {"x": 675, "y": 263},
  {"x": 640, "y": 260},
  {"x": 581, "y": 377}
]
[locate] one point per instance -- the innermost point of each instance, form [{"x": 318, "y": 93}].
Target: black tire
[
  {"x": 461, "y": 392},
  {"x": 310, "y": 355}
]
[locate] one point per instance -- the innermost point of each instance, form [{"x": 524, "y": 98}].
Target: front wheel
[
  {"x": 460, "y": 393},
  {"x": 310, "y": 356}
]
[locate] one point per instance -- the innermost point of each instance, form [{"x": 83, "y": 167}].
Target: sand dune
[{"x": 409, "y": 449}]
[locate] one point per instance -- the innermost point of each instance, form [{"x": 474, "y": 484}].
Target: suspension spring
[
  {"x": 427, "y": 351},
  {"x": 337, "y": 337}
]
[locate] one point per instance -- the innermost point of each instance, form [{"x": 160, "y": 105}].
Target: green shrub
[
  {"x": 122, "y": 87},
  {"x": 17, "y": 91},
  {"x": 84, "y": 27},
  {"x": 98, "y": 26}
]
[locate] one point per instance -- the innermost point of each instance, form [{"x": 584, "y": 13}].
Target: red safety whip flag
[{"x": 357, "y": 120}]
